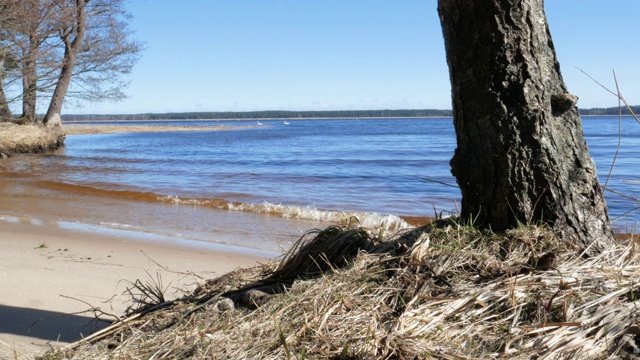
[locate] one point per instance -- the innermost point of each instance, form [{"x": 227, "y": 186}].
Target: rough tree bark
[
  {"x": 29, "y": 78},
  {"x": 72, "y": 40},
  {"x": 5, "y": 112},
  {"x": 521, "y": 156}
]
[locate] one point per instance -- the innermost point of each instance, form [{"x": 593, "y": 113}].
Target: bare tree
[
  {"x": 108, "y": 53},
  {"x": 75, "y": 49},
  {"x": 521, "y": 154},
  {"x": 7, "y": 14},
  {"x": 26, "y": 30},
  {"x": 72, "y": 37},
  {"x": 36, "y": 23}
]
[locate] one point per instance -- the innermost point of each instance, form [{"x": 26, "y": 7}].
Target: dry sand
[{"x": 50, "y": 275}]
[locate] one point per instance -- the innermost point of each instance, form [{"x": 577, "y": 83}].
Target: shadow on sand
[{"x": 47, "y": 325}]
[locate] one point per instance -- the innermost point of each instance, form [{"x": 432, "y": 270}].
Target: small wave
[
  {"x": 208, "y": 202},
  {"x": 367, "y": 220}
]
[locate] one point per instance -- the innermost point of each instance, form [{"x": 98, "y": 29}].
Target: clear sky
[{"x": 246, "y": 55}]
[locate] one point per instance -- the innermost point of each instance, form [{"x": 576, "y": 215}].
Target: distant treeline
[
  {"x": 610, "y": 111},
  {"x": 275, "y": 114},
  {"x": 281, "y": 114}
]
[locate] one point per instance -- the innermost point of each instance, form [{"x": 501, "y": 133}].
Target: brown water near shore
[
  {"x": 23, "y": 194},
  {"x": 187, "y": 221}
]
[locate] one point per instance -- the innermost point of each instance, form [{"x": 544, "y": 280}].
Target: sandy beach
[{"x": 50, "y": 276}]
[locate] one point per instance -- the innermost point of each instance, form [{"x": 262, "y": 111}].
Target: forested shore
[
  {"x": 283, "y": 114},
  {"x": 268, "y": 114}
]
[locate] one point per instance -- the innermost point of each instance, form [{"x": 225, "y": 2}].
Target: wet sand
[{"x": 50, "y": 276}]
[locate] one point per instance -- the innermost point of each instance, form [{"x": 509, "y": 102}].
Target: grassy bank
[
  {"x": 443, "y": 292},
  {"x": 17, "y": 139}
]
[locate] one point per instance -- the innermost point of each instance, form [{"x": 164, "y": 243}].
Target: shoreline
[
  {"x": 85, "y": 129},
  {"x": 97, "y": 127},
  {"x": 52, "y": 275},
  {"x": 98, "y": 122},
  {"x": 114, "y": 126}
]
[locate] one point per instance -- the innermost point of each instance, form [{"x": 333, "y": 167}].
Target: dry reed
[
  {"x": 16, "y": 138},
  {"x": 449, "y": 292}
]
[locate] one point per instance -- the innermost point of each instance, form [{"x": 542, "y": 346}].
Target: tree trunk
[
  {"x": 521, "y": 156},
  {"x": 71, "y": 50},
  {"x": 29, "y": 79},
  {"x": 5, "y": 112}
]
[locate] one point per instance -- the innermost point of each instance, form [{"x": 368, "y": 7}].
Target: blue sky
[{"x": 246, "y": 55}]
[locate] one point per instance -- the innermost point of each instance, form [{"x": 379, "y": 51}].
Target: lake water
[{"x": 220, "y": 186}]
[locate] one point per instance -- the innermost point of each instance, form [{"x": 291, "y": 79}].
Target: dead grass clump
[
  {"x": 453, "y": 292},
  {"x": 15, "y": 139},
  {"x": 318, "y": 251}
]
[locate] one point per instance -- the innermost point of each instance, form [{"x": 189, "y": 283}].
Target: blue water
[
  {"x": 381, "y": 166},
  {"x": 602, "y": 134},
  {"x": 343, "y": 165},
  {"x": 310, "y": 169}
]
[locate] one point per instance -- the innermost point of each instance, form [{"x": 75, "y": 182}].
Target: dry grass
[
  {"x": 29, "y": 138},
  {"x": 446, "y": 292},
  {"x": 16, "y": 138}
]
